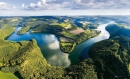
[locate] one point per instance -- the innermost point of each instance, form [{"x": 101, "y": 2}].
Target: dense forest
[{"x": 26, "y": 60}]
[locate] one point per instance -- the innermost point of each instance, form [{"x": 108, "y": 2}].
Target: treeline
[
  {"x": 45, "y": 28},
  {"x": 82, "y": 70},
  {"x": 118, "y": 30},
  {"x": 111, "y": 59}
]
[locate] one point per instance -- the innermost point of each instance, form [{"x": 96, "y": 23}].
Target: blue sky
[{"x": 64, "y": 7}]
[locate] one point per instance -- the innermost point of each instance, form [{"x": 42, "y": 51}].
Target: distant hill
[{"x": 118, "y": 30}]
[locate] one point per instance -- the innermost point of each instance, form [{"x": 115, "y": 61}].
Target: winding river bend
[
  {"x": 81, "y": 51},
  {"x": 49, "y": 45}
]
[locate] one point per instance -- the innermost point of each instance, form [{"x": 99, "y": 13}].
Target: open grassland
[
  {"x": 64, "y": 39},
  {"x": 129, "y": 68},
  {"x": 7, "y": 76},
  {"x": 4, "y": 32},
  {"x": 7, "y": 26},
  {"x": 63, "y": 24},
  {"x": 77, "y": 31},
  {"x": 10, "y": 22},
  {"x": 69, "y": 35}
]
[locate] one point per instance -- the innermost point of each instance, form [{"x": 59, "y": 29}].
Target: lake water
[{"x": 49, "y": 45}]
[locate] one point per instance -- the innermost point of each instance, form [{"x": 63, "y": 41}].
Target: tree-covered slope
[
  {"x": 111, "y": 58},
  {"x": 22, "y": 57},
  {"x": 118, "y": 30},
  {"x": 25, "y": 60}
]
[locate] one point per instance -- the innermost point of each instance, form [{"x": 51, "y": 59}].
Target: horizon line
[{"x": 89, "y": 12}]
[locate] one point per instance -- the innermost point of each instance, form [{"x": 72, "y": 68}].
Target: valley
[{"x": 84, "y": 47}]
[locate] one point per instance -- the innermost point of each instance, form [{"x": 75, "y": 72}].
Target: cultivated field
[{"x": 77, "y": 31}]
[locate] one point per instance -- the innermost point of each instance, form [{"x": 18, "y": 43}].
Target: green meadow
[{"x": 7, "y": 76}]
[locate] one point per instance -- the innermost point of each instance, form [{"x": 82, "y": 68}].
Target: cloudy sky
[{"x": 64, "y": 7}]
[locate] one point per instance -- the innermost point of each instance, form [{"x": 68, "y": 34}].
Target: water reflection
[{"x": 48, "y": 44}]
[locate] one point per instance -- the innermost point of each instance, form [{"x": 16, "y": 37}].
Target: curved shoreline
[
  {"x": 80, "y": 51},
  {"x": 51, "y": 47}
]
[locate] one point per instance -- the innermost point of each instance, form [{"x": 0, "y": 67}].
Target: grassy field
[
  {"x": 63, "y": 24},
  {"x": 4, "y": 32},
  {"x": 77, "y": 31},
  {"x": 7, "y": 26},
  {"x": 129, "y": 68},
  {"x": 7, "y": 76},
  {"x": 10, "y": 22},
  {"x": 68, "y": 34}
]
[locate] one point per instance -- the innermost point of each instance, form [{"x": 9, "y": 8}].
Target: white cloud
[
  {"x": 102, "y": 4},
  {"x": 6, "y": 6},
  {"x": 32, "y": 5},
  {"x": 39, "y": 3},
  {"x": 59, "y": 59},
  {"x": 47, "y": 37},
  {"x": 43, "y": 2},
  {"x": 78, "y": 4},
  {"x": 23, "y": 5},
  {"x": 49, "y": 5},
  {"x": 54, "y": 45}
]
